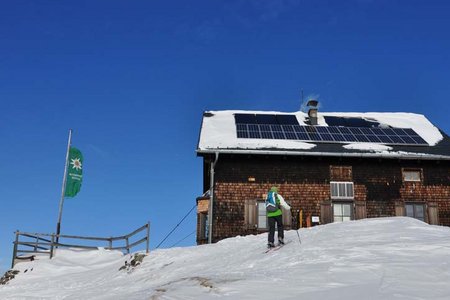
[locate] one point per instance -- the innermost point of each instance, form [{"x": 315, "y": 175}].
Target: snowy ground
[{"x": 390, "y": 258}]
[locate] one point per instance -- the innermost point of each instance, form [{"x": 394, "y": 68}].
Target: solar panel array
[{"x": 286, "y": 127}]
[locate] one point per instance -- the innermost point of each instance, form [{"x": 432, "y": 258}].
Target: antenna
[{"x": 302, "y": 105}]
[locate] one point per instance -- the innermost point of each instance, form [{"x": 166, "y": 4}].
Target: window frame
[
  {"x": 412, "y": 170},
  {"x": 349, "y": 203},
  {"x": 339, "y": 184},
  {"x": 258, "y": 215},
  {"x": 204, "y": 226},
  {"x": 414, "y": 205}
]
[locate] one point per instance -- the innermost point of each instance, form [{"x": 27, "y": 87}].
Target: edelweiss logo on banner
[{"x": 76, "y": 164}]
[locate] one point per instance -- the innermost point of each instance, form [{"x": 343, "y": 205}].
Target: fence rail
[{"x": 45, "y": 243}]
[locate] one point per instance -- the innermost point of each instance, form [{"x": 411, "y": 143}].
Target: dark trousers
[{"x": 279, "y": 221}]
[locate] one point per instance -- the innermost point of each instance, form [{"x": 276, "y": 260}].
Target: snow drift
[{"x": 385, "y": 258}]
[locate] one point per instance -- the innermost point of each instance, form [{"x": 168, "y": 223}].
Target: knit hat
[{"x": 274, "y": 189}]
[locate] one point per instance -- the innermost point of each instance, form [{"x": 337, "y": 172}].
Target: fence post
[
  {"x": 51, "y": 246},
  {"x": 128, "y": 245},
  {"x": 37, "y": 241},
  {"x": 110, "y": 243},
  {"x": 15, "y": 248},
  {"x": 148, "y": 237}
]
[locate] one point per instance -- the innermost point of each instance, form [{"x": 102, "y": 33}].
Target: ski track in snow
[{"x": 384, "y": 258}]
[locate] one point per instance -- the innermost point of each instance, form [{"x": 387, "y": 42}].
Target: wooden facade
[{"x": 379, "y": 189}]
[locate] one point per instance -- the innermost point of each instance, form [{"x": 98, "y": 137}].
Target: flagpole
[{"x": 61, "y": 202}]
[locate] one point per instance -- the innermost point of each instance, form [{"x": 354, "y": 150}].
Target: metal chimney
[{"x": 312, "y": 106}]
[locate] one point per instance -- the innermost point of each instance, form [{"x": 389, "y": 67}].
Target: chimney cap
[{"x": 312, "y": 103}]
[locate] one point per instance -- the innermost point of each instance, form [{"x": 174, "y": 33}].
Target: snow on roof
[{"x": 218, "y": 131}]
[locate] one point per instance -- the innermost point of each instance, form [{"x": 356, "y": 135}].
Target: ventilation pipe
[
  {"x": 312, "y": 106},
  {"x": 211, "y": 198}
]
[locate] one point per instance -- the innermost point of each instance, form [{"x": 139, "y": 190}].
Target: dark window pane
[
  {"x": 334, "y": 189},
  {"x": 409, "y": 210},
  {"x": 419, "y": 213}
]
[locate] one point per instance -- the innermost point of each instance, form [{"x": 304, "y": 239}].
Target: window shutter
[
  {"x": 433, "y": 215},
  {"x": 325, "y": 212},
  {"x": 287, "y": 217},
  {"x": 399, "y": 208},
  {"x": 250, "y": 214},
  {"x": 360, "y": 210}
]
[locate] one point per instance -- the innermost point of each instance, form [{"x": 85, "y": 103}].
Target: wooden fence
[{"x": 28, "y": 245}]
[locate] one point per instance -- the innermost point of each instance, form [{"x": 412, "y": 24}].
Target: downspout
[{"x": 211, "y": 199}]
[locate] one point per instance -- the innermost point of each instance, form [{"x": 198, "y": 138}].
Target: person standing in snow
[{"x": 274, "y": 203}]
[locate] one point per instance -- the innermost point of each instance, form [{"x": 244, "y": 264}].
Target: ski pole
[{"x": 298, "y": 234}]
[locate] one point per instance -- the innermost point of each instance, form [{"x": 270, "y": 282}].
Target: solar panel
[
  {"x": 265, "y": 119},
  {"x": 271, "y": 126},
  {"x": 245, "y": 118},
  {"x": 350, "y": 122},
  {"x": 328, "y": 134},
  {"x": 287, "y": 119}
]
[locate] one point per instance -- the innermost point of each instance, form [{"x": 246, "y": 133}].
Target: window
[
  {"x": 415, "y": 210},
  {"x": 342, "y": 212},
  {"x": 341, "y": 190},
  {"x": 262, "y": 215},
  {"x": 203, "y": 234},
  {"x": 412, "y": 175}
]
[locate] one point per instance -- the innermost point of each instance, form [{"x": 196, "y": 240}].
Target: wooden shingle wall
[{"x": 305, "y": 184}]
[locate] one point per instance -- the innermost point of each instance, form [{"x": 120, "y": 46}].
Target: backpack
[{"x": 271, "y": 202}]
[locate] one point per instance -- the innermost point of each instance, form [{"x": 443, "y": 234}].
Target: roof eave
[{"x": 409, "y": 156}]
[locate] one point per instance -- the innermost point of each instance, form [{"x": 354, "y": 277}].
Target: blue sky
[{"x": 132, "y": 79}]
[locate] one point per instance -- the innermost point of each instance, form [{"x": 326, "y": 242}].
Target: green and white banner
[{"x": 74, "y": 172}]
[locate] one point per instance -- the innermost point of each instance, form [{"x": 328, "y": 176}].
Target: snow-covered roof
[{"x": 218, "y": 134}]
